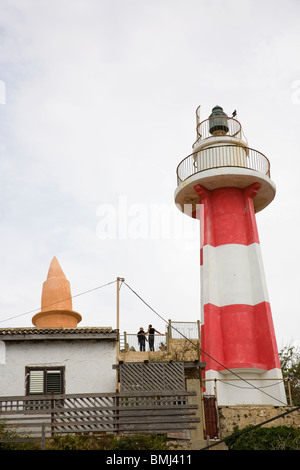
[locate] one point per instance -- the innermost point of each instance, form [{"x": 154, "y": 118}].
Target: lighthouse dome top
[{"x": 217, "y": 111}]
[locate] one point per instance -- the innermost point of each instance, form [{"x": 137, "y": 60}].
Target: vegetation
[
  {"x": 290, "y": 366},
  {"x": 107, "y": 442},
  {"x": 85, "y": 442},
  {"x": 271, "y": 438},
  {"x": 181, "y": 350},
  {"x": 6, "y": 433}
]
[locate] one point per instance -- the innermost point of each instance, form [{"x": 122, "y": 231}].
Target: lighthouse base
[{"x": 246, "y": 386}]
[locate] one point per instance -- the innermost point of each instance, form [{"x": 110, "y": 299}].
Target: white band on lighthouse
[{"x": 233, "y": 274}]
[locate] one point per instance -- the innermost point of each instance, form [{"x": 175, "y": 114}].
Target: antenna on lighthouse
[{"x": 197, "y": 120}]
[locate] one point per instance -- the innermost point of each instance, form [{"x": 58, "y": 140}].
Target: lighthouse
[{"x": 223, "y": 183}]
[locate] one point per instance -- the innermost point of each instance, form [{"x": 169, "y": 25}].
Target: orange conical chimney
[{"x": 56, "y": 305}]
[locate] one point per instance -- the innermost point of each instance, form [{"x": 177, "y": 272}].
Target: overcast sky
[{"x": 97, "y": 109}]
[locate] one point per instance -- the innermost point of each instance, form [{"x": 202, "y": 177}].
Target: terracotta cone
[{"x": 56, "y": 304}]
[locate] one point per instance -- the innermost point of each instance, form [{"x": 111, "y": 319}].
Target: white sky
[{"x": 98, "y": 101}]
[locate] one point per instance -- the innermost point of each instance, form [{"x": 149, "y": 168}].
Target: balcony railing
[
  {"x": 222, "y": 156},
  {"x": 181, "y": 330},
  {"x": 174, "y": 329},
  {"x": 233, "y": 128},
  {"x": 129, "y": 342}
]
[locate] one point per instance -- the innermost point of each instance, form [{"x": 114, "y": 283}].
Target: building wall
[{"x": 88, "y": 364}]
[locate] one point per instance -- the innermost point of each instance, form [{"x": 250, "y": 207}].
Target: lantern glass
[{"x": 218, "y": 122}]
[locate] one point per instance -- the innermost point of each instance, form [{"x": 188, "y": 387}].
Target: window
[{"x": 44, "y": 381}]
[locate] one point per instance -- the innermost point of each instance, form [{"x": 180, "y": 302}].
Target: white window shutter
[{"x": 36, "y": 382}]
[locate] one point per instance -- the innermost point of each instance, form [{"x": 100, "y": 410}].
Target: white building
[
  {"x": 60, "y": 360},
  {"x": 55, "y": 355}
]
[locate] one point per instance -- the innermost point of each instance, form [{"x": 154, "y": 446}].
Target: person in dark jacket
[
  {"x": 141, "y": 339},
  {"x": 151, "y": 331}
]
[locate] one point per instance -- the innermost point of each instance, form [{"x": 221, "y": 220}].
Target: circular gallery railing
[
  {"x": 222, "y": 156},
  {"x": 218, "y": 126}
]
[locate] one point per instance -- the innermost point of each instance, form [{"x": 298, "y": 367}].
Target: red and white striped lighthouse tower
[{"x": 223, "y": 183}]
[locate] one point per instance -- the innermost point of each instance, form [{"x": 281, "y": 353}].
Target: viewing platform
[{"x": 177, "y": 344}]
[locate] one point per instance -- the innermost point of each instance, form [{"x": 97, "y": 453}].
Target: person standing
[
  {"x": 151, "y": 331},
  {"x": 141, "y": 338}
]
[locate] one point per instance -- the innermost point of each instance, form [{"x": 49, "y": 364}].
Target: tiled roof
[{"x": 33, "y": 332}]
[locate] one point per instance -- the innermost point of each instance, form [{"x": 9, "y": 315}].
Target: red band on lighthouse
[
  {"x": 228, "y": 215},
  {"x": 240, "y": 336}
]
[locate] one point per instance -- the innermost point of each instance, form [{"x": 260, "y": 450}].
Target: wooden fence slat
[
  {"x": 130, "y": 412},
  {"x": 138, "y": 376}
]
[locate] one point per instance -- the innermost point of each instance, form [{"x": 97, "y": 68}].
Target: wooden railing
[{"x": 124, "y": 412}]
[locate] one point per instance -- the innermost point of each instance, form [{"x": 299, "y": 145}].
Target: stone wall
[{"x": 241, "y": 416}]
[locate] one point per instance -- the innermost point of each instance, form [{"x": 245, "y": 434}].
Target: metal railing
[
  {"x": 233, "y": 128},
  {"x": 222, "y": 156},
  {"x": 129, "y": 342},
  {"x": 182, "y": 330},
  {"x": 174, "y": 329}
]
